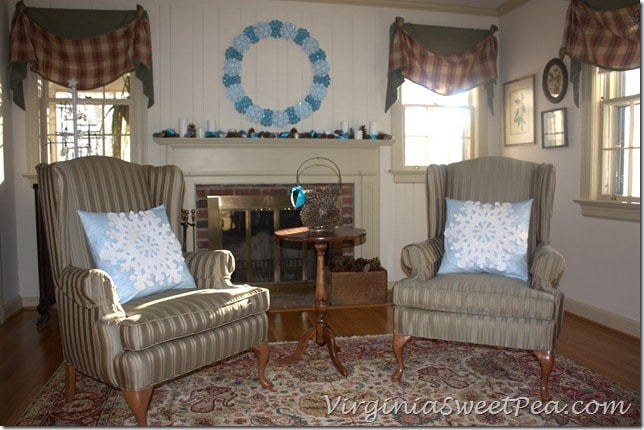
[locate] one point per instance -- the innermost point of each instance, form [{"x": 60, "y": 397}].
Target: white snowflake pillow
[
  {"x": 486, "y": 237},
  {"x": 138, "y": 250}
]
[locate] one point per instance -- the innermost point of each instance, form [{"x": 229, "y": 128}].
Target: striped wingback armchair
[
  {"x": 484, "y": 308},
  {"x": 135, "y": 345}
]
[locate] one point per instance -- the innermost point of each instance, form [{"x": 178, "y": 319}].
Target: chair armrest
[
  {"x": 548, "y": 265},
  {"x": 90, "y": 289},
  {"x": 422, "y": 259},
  {"x": 211, "y": 269}
]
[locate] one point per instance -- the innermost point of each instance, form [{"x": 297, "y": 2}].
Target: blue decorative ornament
[
  {"x": 298, "y": 197},
  {"x": 278, "y": 30}
]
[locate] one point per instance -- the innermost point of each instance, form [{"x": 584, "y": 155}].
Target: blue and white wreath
[{"x": 278, "y": 30}]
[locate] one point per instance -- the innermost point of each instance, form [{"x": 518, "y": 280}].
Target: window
[
  {"x": 432, "y": 129},
  {"x": 611, "y": 182},
  {"x": 103, "y": 121},
  {"x": 110, "y": 120},
  {"x": 620, "y": 113}
]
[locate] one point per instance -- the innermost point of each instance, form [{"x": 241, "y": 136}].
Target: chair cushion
[
  {"x": 483, "y": 294},
  {"x": 138, "y": 250},
  {"x": 173, "y": 314},
  {"x": 488, "y": 238}
]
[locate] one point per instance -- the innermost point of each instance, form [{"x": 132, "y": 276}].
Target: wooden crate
[{"x": 356, "y": 288}]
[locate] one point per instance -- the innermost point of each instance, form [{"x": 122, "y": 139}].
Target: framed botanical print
[
  {"x": 553, "y": 128},
  {"x": 518, "y": 112}
]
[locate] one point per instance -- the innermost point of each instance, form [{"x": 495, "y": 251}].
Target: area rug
[{"x": 443, "y": 384}]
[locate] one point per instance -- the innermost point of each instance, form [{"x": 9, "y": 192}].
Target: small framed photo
[
  {"x": 518, "y": 112},
  {"x": 553, "y": 128}
]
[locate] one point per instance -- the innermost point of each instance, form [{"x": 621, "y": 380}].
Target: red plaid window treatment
[
  {"x": 608, "y": 38},
  {"x": 93, "y": 47},
  {"x": 444, "y": 60}
]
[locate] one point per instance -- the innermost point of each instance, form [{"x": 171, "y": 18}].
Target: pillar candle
[
  {"x": 373, "y": 127},
  {"x": 183, "y": 127}
]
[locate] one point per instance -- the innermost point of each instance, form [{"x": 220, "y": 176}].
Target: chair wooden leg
[
  {"x": 138, "y": 401},
  {"x": 262, "y": 352},
  {"x": 400, "y": 340},
  {"x": 547, "y": 360},
  {"x": 70, "y": 383}
]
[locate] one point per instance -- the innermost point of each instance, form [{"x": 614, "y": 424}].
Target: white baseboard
[
  {"x": 605, "y": 318},
  {"x": 30, "y": 302},
  {"x": 13, "y": 307}
]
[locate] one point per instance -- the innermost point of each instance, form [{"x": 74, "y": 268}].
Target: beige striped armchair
[
  {"x": 136, "y": 345},
  {"x": 484, "y": 308}
]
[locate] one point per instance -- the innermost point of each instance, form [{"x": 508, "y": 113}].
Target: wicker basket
[{"x": 320, "y": 211}]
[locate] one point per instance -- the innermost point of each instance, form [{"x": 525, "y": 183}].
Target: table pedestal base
[
  {"x": 321, "y": 331},
  {"x": 328, "y": 338}
]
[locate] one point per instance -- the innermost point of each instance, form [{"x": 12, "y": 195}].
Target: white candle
[
  {"x": 373, "y": 127},
  {"x": 344, "y": 126},
  {"x": 183, "y": 127},
  {"x": 211, "y": 125},
  {"x": 201, "y": 133},
  {"x": 357, "y": 134}
]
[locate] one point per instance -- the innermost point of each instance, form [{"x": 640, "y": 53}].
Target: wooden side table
[{"x": 322, "y": 331}]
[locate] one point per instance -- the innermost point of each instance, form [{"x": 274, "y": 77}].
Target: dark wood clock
[{"x": 555, "y": 80}]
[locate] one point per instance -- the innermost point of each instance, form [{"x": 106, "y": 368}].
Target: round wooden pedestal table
[{"x": 322, "y": 332}]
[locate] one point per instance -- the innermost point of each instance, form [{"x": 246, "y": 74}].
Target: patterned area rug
[{"x": 443, "y": 384}]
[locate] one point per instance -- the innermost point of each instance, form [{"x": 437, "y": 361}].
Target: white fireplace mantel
[{"x": 275, "y": 161}]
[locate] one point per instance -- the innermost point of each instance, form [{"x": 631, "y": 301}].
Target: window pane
[
  {"x": 622, "y": 173},
  {"x": 416, "y": 151},
  {"x": 102, "y": 117},
  {"x": 620, "y": 141},
  {"x": 437, "y": 129},
  {"x": 415, "y": 117},
  {"x": 413, "y": 93},
  {"x": 631, "y": 82}
]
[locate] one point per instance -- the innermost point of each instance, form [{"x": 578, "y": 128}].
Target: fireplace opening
[{"x": 245, "y": 225}]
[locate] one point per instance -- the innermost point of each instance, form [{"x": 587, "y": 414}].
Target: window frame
[
  {"x": 591, "y": 202},
  {"x": 417, "y": 174},
  {"x": 33, "y": 126}
]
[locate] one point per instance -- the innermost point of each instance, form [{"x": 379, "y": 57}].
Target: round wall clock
[{"x": 555, "y": 80}]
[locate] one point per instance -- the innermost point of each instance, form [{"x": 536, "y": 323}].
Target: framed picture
[
  {"x": 553, "y": 128},
  {"x": 518, "y": 112}
]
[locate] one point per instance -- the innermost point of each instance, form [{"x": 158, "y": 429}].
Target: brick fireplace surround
[
  {"x": 245, "y": 163},
  {"x": 204, "y": 190}
]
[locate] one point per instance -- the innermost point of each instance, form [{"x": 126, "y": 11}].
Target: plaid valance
[
  {"x": 443, "y": 59},
  {"x": 93, "y": 47},
  {"x": 607, "y": 37}
]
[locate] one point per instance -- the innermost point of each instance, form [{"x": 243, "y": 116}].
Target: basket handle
[{"x": 302, "y": 168}]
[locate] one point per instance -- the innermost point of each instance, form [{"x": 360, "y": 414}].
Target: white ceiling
[
  {"x": 473, "y": 7},
  {"x": 476, "y": 7}
]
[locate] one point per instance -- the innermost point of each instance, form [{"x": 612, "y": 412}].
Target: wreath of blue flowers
[{"x": 278, "y": 30}]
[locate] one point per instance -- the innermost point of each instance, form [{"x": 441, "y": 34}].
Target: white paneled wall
[{"x": 193, "y": 36}]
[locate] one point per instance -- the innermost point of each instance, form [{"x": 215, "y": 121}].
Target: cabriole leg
[
  {"x": 138, "y": 401},
  {"x": 400, "y": 340},
  {"x": 547, "y": 360},
  {"x": 262, "y": 352}
]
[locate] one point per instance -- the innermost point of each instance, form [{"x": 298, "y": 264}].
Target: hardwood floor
[{"x": 29, "y": 355}]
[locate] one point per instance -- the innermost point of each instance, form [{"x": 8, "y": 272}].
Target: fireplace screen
[{"x": 245, "y": 226}]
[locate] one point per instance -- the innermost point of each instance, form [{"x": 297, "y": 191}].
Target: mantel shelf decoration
[
  {"x": 292, "y": 134},
  {"x": 278, "y": 30}
]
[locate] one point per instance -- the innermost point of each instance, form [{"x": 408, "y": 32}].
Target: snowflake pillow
[
  {"x": 138, "y": 250},
  {"x": 486, "y": 237}
]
